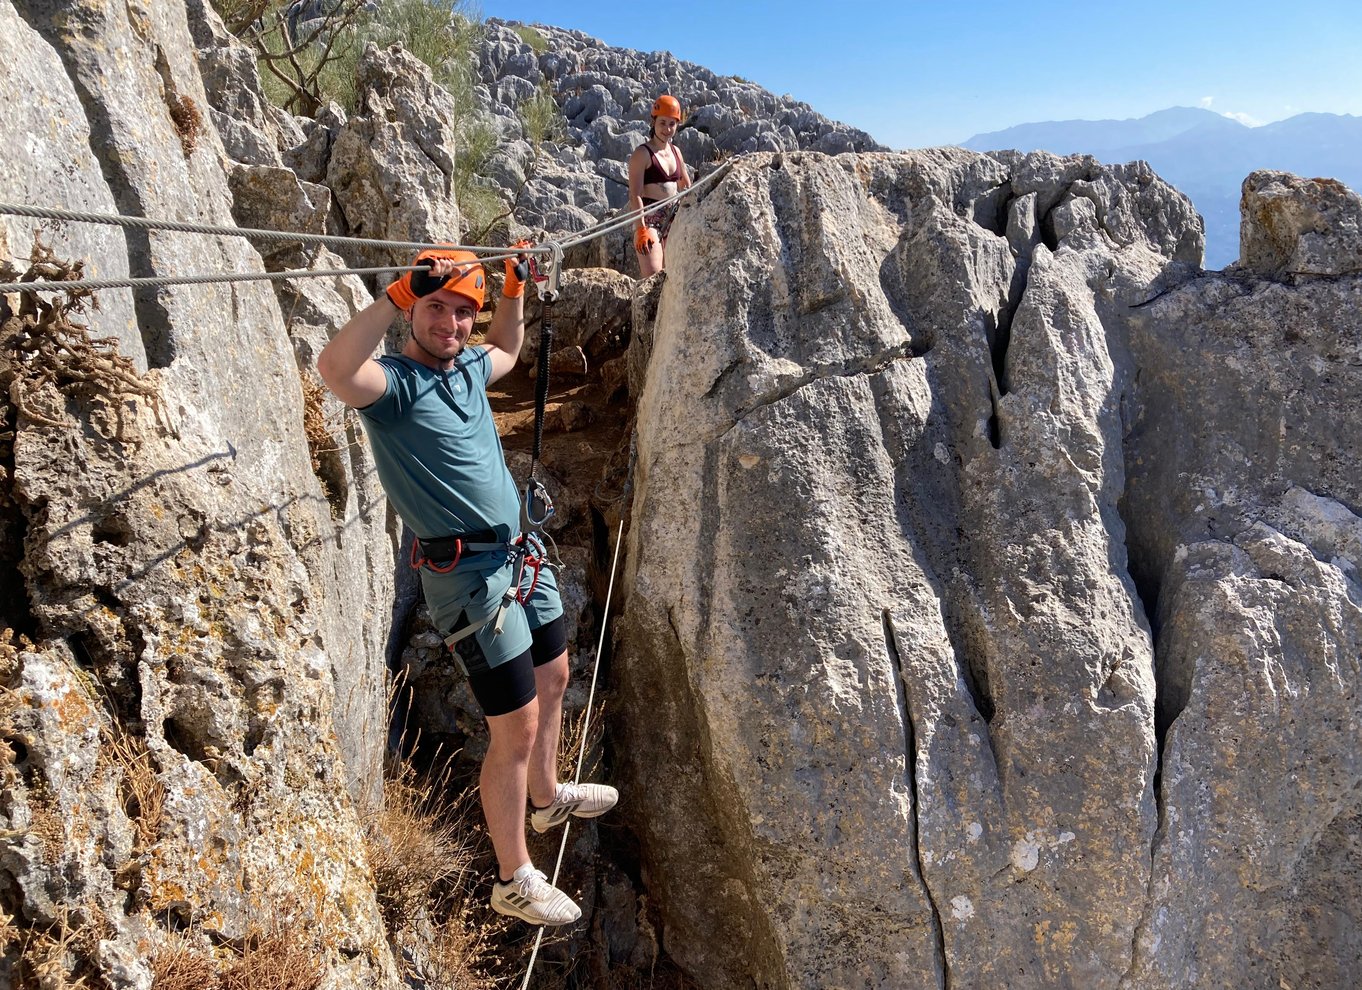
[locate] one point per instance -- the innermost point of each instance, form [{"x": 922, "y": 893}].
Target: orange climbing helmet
[
  {"x": 467, "y": 280},
  {"x": 667, "y": 106}
]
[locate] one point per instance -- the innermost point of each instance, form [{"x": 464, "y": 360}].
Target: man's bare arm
[
  {"x": 505, "y": 335},
  {"x": 347, "y": 364}
]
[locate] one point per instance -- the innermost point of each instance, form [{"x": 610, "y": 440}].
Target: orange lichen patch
[
  {"x": 72, "y": 709},
  {"x": 164, "y": 894}
]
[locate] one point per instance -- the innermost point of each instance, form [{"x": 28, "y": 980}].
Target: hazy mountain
[{"x": 1204, "y": 154}]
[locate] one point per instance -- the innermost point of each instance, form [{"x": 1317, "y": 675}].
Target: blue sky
[{"x": 915, "y": 74}]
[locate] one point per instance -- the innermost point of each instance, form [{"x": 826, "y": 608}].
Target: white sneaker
[
  {"x": 530, "y": 897},
  {"x": 579, "y": 800}
]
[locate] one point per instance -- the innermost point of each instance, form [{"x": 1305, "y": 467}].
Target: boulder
[
  {"x": 391, "y": 167},
  {"x": 1294, "y": 226}
]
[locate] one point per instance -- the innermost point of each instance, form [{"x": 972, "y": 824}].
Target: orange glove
[
  {"x": 413, "y": 285},
  {"x": 644, "y": 239},
  {"x": 514, "y": 286}
]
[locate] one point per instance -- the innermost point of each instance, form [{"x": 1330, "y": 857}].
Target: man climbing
[{"x": 440, "y": 461}]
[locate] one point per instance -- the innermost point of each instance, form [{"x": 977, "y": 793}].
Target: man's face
[{"x": 441, "y": 323}]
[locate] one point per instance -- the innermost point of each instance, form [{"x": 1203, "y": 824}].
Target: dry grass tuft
[
  {"x": 421, "y": 850},
  {"x": 319, "y": 439},
  {"x": 180, "y": 966},
  {"x": 571, "y": 745},
  {"x": 322, "y": 446},
  {"x": 59, "y": 957},
  {"x": 460, "y": 954},
  {"x": 188, "y": 121},
  {"x": 418, "y": 844},
  {"x": 141, "y": 791},
  {"x": 283, "y": 959}
]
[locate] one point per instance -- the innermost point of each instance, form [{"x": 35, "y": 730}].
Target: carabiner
[{"x": 538, "y": 504}]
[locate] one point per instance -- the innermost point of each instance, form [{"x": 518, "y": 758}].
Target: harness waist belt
[{"x": 449, "y": 547}]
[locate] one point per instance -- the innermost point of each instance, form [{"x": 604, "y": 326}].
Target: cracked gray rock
[{"x": 954, "y": 608}]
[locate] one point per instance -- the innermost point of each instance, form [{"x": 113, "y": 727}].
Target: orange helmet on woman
[{"x": 667, "y": 106}]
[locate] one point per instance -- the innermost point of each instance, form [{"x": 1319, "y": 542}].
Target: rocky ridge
[
  {"x": 974, "y": 534},
  {"x": 605, "y": 95}
]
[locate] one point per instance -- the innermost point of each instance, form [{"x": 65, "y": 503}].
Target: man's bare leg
[
  {"x": 550, "y": 682},
  {"x": 502, "y": 783}
]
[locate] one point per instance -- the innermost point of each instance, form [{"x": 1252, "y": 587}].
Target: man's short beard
[{"x": 417, "y": 341}]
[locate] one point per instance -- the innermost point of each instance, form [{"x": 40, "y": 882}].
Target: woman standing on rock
[{"x": 656, "y": 171}]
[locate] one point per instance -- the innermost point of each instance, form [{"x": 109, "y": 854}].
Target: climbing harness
[{"x": 526, "y": 552}]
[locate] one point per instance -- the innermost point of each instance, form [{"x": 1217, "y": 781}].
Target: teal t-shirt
[
  {"x": 437, "y": 450},
  {"x": 440, "y": 461}
]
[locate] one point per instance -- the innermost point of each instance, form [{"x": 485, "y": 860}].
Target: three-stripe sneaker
[
  {"x": 530, "y": 897},
  {"x": 579, "y": 800}
]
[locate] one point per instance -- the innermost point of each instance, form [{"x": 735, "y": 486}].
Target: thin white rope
[{"x": 586, "y": 725}]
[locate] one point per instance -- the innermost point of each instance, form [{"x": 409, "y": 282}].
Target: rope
[
  {"x": 541, "y": 388},
  {"x": 586, "y": 726},
  {"x": 159, "y": 280},
  {"x": 493, "y": 253},
  {"x": 607, "y": 226},
  {"x": 143, "y": 283},
  {"x": 120, "y": 220}
]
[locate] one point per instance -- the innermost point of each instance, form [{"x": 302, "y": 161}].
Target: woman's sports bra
[{"x": 653, "y": 173}]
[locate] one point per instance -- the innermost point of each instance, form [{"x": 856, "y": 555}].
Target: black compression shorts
[{"x": 509, "y": 686}]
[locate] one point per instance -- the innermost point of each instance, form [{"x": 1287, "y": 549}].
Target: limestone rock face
[
  {"x": 978, "y": 582},
  {"x": 1244, "y": 511},
  {"x": 391, "y": 166},
  {"x": 593, "y": 312},
  {"x": 199, "y": 598},
  {"x": 58, "y": 168}
]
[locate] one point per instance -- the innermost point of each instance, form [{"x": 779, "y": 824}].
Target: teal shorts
[{"x": 466, "y": 594}]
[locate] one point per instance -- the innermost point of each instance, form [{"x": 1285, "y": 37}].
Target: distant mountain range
[{"x": 1204, "y": 154}]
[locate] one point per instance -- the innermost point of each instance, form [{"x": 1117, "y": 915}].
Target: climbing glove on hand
[
  {"x": 517, "y": 273},
  {"x": 643, "y": 240},
  {"x": 413, "y": 285}
]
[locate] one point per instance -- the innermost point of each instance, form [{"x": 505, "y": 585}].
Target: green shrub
[
  {"x": 537, "y": 42},
  {"x": 540, "y": 117},
  {"x": 441, "y": 33},
  {"x": 480, "y": 202},
  {"x": 302, "y": 74}
]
